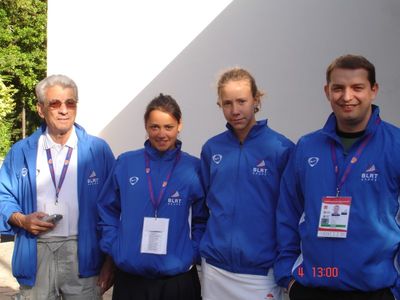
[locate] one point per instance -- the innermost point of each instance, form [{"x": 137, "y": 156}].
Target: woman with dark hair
[{"x": 152, "y": 213}]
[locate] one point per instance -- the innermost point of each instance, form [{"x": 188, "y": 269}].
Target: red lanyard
[
  {"x": 155, "y": 203},
  {"x": 63, "y": 172}
]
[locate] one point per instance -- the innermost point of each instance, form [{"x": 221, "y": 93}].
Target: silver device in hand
[{"x": 52, "y": 218}]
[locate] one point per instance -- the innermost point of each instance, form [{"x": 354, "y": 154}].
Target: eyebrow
[
  {"x": 156, "y": 124},
  {"x": 55, "y": 99}
]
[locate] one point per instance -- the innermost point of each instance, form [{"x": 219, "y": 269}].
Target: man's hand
[
  {"x": 31, "y": 223},
  {"x": 107, "y": 275}
]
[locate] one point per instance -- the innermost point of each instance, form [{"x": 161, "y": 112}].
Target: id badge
[
  {"x": 334, "y": 217},
  {"x": 155, "y": 236}
]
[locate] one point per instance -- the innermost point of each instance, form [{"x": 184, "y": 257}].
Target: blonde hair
[{"x": 237, "y": 74}]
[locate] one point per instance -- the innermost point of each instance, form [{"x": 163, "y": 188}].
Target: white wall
[{"x": 122, "y": 53}]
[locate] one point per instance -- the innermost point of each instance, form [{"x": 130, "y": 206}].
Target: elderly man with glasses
[{"x": 49, "y": 186}]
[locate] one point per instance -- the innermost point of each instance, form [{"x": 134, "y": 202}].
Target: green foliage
[
  {"x": 23, "y": 57},
  {"x": 6, "y": 100},
  {"x": 6, "y": 107}
]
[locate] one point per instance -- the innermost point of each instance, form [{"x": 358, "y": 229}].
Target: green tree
[
  {"x": 6, "y": 107},
  {"x": 23, "y": 58}
]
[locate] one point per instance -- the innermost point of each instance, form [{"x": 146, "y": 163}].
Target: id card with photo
[{"x": 334, "y": 217}]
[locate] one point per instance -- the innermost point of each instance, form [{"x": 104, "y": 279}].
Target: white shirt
[{"x": 46, "y": 193}]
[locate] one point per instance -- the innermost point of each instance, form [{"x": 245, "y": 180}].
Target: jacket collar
[
  {"x": 30, "y": 153},
  {"x": 154, "y": 154},
  {"x": 373, "y": 123},
  {"x": 34, "y": 138},
  {"x": 254, "y": 131},
  {"x": 71, "y": 142}
]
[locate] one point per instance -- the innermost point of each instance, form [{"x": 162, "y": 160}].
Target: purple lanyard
[
  {"x": 63, "y": 172},
  {"x": 354, "y": 160},
  {"x": 155, "y": 203}
]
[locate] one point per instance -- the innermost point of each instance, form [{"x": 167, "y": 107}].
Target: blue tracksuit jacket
[
  {"x": 18, "y": 194},
  {"x": 125, "y": 202},
  {"x": 242, "y": 184},
  {"x": 367, "y": 259}
]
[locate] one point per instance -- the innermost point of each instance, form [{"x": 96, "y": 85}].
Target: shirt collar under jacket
[
  {"x": 330, "y": 126},
  {"x": 167, "y": 155},
  {"x": 49, "y": 143},
  {"x": 33, "y": 139},
  {"x": 254, "y": 131}
]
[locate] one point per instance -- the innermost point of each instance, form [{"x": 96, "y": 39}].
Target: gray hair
[{"x": 53, "y": 80}]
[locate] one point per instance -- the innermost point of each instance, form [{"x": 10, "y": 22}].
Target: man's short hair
[
  {"x": 351, "y": 61},
  {"x": 52, "y": 80}
]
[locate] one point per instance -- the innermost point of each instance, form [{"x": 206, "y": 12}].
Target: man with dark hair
[
  {"x": 49, "y": 187},
  {"x": 351, "y": 164}
]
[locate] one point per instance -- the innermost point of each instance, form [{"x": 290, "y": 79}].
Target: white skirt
[{"x": 218, "y": 284}]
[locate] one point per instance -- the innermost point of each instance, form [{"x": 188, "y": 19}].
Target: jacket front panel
[
  {"x": 364, "y": 260},
  {"x": 18, "y": 194},
  {"x": 242, "y": 183},
  {"x": 128, "y": 202}
]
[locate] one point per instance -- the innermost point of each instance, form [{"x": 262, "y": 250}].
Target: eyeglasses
[{"x": 56, "y": 104}]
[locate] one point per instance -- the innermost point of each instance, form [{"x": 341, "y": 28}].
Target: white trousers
[{"x": 217, "y": 284}]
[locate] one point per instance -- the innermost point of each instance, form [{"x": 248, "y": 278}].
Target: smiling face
[
  {"x": 162, "y": 129},
  {"x": 351, "y": 95},
  {"x": 59, "y": 120},
  {"x": 238, "y": 106}
]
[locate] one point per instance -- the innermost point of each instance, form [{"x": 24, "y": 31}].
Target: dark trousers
[
  {"x": 184, "y": 286},
  {"x": 300, "y": 292}
]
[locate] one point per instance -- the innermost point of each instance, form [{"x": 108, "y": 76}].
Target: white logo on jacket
[
  {"x": 175, "y": 199},
  {"x": 312, "y": 161},
  {"x": 217, "y": 158},
  {"x": 133, "y": 180},
  {"x": 260, "y": 169},
  {"x": 370, "y": 174},
  {"x": 93, "y": 179},
  {"x": 24, "y": 172}
]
